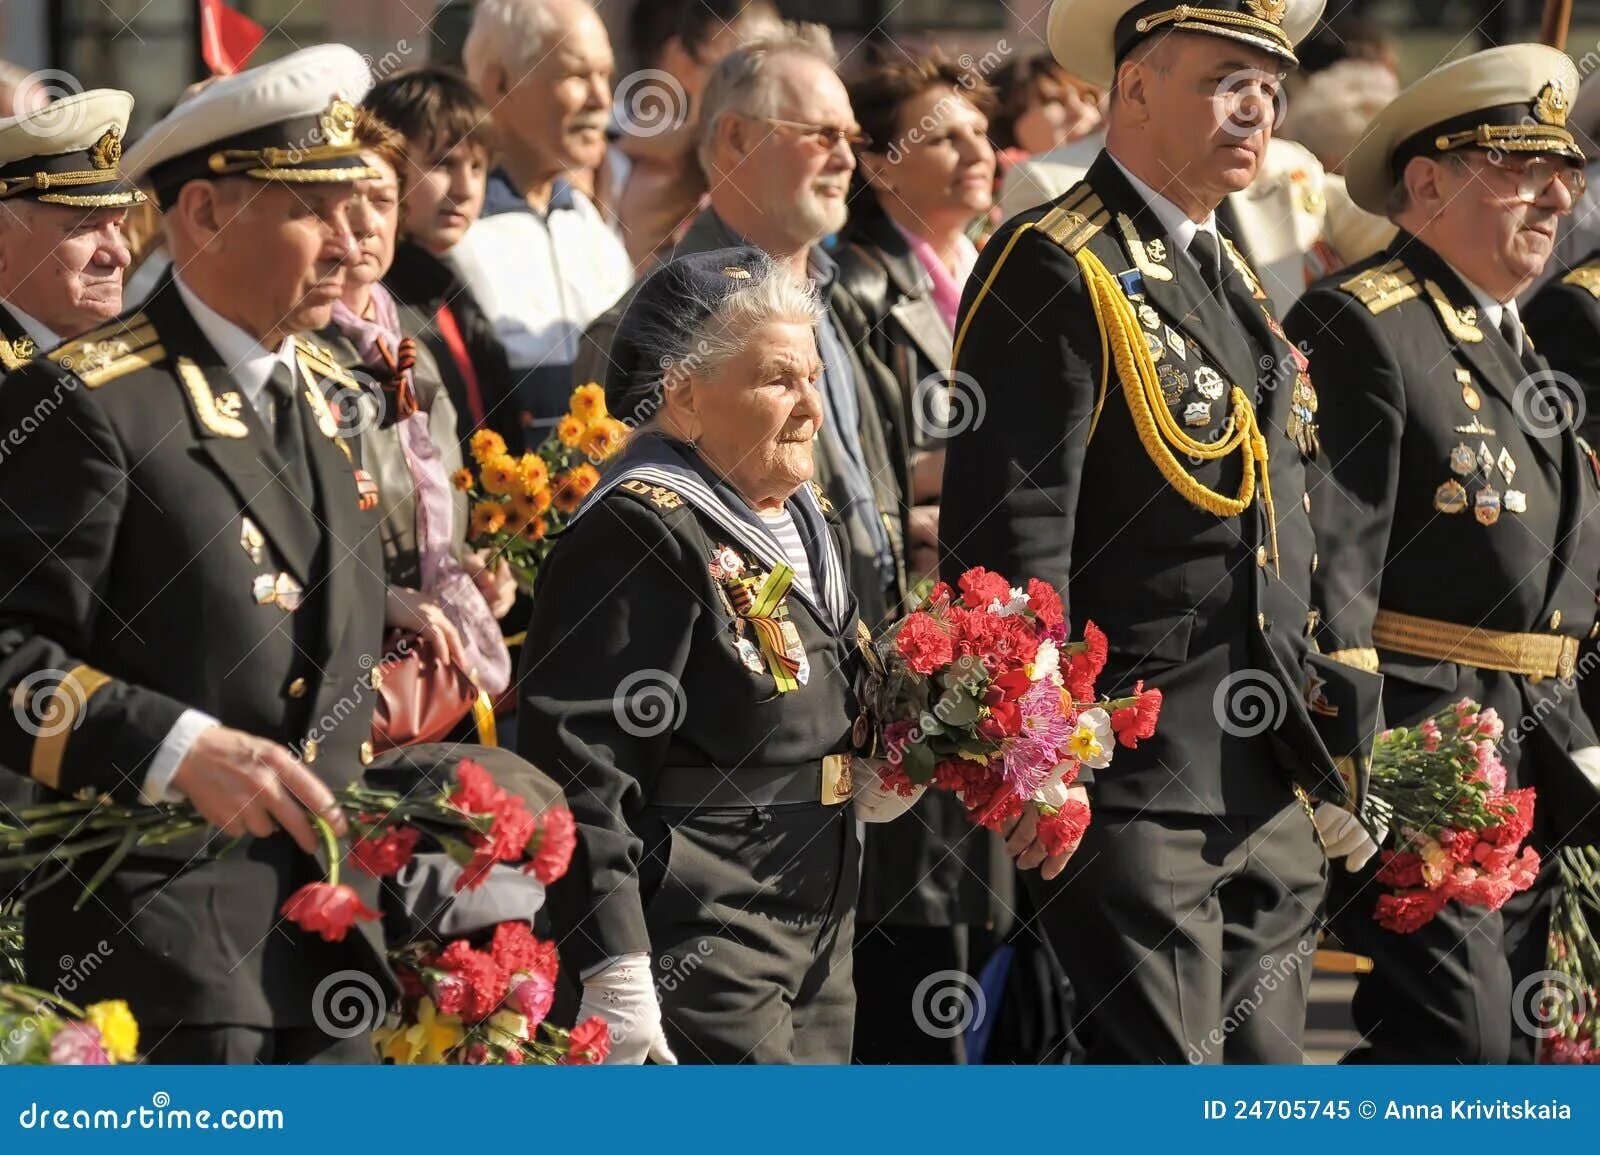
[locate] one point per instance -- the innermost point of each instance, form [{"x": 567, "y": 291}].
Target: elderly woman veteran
[{"x": 689, "y": 680}]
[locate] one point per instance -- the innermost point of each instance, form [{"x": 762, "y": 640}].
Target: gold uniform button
[
  {"x": 1555, "y": 620},
  {"x": 310, "y": 753},
  {"x": 377, "y": 677},
  {"x": 1261, "y": 621},
  {"x": 366, "y": 753},
  {"x": 297, "y": 688},
  {"x": 1261, "y": 557},
  {"x": 1305, "y": 500},
  {"x": 1594, "y": 631},
  {"x": 1315, "y": 561}
]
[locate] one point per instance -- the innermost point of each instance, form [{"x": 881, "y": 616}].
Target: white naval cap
[
  {"x": 69, "y": 151},
  {"x": 1090, "y": 37},
  {"x": 291, "y": 120}
]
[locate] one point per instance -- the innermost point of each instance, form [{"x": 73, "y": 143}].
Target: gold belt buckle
[{"x": 837, "y": 779}]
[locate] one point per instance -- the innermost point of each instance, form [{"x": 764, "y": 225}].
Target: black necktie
[
  {"x": 287, "y": 435},
  {"x": 1208, "y": 255},
  {"x": 1517, "y": 341}
]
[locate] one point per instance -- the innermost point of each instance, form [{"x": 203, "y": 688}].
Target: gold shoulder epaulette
[
  {"x": 1383, "y": 287},
  {"x": 15, "y": 354},
  {"x": 1588, "y": 277},
  {"x": 657, "y": 495},
  {"x": 822, "y": 498},
  {"x": 111, "y": 351},
  {"x": 321, "y": 358},
  {"x": 1075, "y": 219}
]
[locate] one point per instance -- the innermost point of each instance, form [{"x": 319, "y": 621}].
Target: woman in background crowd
[{"x": 933, "y": 887}]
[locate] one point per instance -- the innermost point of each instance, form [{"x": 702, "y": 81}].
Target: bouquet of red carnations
[
  {"x": 475, "y": 821},
  {"x": 979, "y": 692},
  {"x": 466, "y": 1006},
  {"x": 1568, "y": 1010},
  {"x": 1440, "y": 788}
]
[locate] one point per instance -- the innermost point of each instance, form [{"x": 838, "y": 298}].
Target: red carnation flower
[
  {"x": 1404, "y": 913},
  {"x": 555, "y": 842},
  {"x": 475, "y": 791},
  {"x": 941, "y": 595},
  {"x": 533, "y": 997},
  {"x": 384, "y": 851},
  {"x": 484, "y": 982},
  {"x": 979, "y": 587},
  {"x": 326, "y": 909},
  {"x": 1003, "y": 721},
  {"x": 1400, "y": 869},
  {"x": 517, "y": 950},
  {"x": 1046, "y": 604},
  {"x": 1011, "y": 686},
  {"x": 1132, "y": 723},
  {"x": 924, "y": 645},
  {"x": 1085, "y": 666},
  {"x": 589, "y": 1043},
  {"x": 1063, "y": 830}
]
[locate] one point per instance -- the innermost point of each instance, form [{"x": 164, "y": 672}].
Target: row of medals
[
  {"x": 1174, "y": 382},
  {"x": 1480, "y": 464},
  {"x": 727, "y": 568}
]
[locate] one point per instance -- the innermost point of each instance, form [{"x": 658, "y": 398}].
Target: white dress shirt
[
  {"x": 1494, "y": 311},
  {"x": 1174, "y": 220},
  {"x": 250, "y": 365}
]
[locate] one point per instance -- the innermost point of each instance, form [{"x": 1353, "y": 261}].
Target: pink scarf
[
  {"x": 443, "y": 578},
  {"x": 946, "y": 288}
]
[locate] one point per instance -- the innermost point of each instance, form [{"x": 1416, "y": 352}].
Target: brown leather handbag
[{"x": 423, "y": 696}]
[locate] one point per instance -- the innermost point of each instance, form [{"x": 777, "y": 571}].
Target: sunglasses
[{"x": 823, "y": 136}]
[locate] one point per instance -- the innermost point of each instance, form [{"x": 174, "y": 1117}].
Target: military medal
[
  {"x": 1209, "y": 384},
  {"x": 1175, "y": 343},
  {"x": 749, "y": 655},
  {"x": 1149, "y": 318},
  {"x": 250, "y": 539},
  {"x": 287, "y": 592},
  {"x": 366, "y": 491},
  {"x": 1508, "y": 467},
  {"x": 1157, "y": 249},
  {"x": 230, "y": 404},
  {"x": 1302, "y": 424},
  {"x": 1487, "y": 507},
  {"x": 1475, "y": 426},
  {"x": 795, "y": 651},
  {"x": 1485, "y": 459},
  {"x": 860, "y": 731},
  {"x": 1515, "y": 501},
  {"x": 726, "y": 565},
  {"x": 261, "y": 588},
  {"x": 1158, "y": 351},
  {"x": 1451, "y": 497},
  {"x": 1468, "y": 394},
  {"x": 1463, "y": 460},
  {"x": 1197, "y": 413},
  {"x": 1173, "y": 383}
]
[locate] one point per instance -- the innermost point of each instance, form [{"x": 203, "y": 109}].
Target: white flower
[
  {"x": 1092, "y": 742},
  {"x": 1018, "y": 603},
  {"x": 1046, "y": 663}
]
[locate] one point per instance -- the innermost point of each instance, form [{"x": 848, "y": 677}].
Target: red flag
[{"x": 227, "y": 37}]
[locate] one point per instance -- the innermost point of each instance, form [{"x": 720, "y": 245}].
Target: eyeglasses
[
  {"x": 822, "y": 136},
  {"x": 1535, "y": 175}
]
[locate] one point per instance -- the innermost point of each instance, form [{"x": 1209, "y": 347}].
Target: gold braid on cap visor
[
  {"x": 284, "y": 163},
  {"x": 50, "y": 180},
  {"x": 1513, "y": 138},
  {"x": 1214, "y": 19}
]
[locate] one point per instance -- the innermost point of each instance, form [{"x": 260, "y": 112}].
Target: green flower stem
[{"x": 330, "y": 843}]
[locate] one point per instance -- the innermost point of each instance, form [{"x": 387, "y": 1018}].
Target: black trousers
[
  {"x": 239, "y": 1046},
  {"x": 1452, "y": 991},
  {"x": 1189, "y": 938},
  {"x": 903, "y": 977}
]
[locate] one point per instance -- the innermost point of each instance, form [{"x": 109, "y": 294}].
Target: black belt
[{"x": 752, "y": 786}]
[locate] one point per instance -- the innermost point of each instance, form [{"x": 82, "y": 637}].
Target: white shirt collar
[
  {"x": 1174, "y": 220},
  {"x": 1492, "y": 310},
  {"x": 250, "y": 364},
  {"x": 35, "y": 328}
]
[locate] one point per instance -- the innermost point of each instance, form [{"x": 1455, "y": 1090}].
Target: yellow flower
[
  {"x": 486, "y": 443},
  {"x": 603, "y": 439},
  {"x": 589, "y": 403},
  {"x": 527, "y": 506},
  {"x": 462, "y": 479},
  {"x": 570, "y": 431},
  {"x": 488, "y": 517},
  {"x": 119, "y": 1032},
  {"x": 429, "y": 1041},
  {"x": 501, "y": 476},
  {"x": 535, "y": 474},
  {"x": 534, "y": 530},
  {"x": 574, "y": 485}
]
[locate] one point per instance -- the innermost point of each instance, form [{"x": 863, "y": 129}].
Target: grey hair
[
  {"x": 510, "y": 33},
  {"x": 742, "y": 81},
  {"x": 1399, "y": 200},
  {"x": 682, "y": 347}
]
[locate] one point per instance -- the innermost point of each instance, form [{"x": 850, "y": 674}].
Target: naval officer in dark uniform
[
  {"x": 1452, "y": 499},
  {"x": 194, "y": 584},
  {"x": 689, "y": 680},
  {"x": 62, "y": 204},
  {"x": 1144, "y": 448}
]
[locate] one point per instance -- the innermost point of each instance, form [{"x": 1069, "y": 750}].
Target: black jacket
[
  {"x": 1408, "y": 376},
  {"x": 1056, "y": 483},
  {"x": 129, "y": 569}
]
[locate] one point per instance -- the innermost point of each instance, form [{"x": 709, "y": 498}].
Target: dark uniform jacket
[
  {"x": 1456, "y": 491},
  {"x": 16, "y": 350},
  {"x": 637, "y": 699},
  {"x": 1056, "y": 483},
  {"x": 152, "y": 562},
  {"x": 882, "y": 429}
]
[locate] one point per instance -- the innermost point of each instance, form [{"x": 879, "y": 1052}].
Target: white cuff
[
  {"x": 157, "y": 786},
  {"x": 1588, "y": 761}
]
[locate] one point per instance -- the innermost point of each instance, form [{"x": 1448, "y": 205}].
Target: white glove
[
  {"x": 876, "y": 802},
  {"x": 1344, "y": 837},
  {"x": 621, "y": 993},
  {"x": 1588, "y": 761}
]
